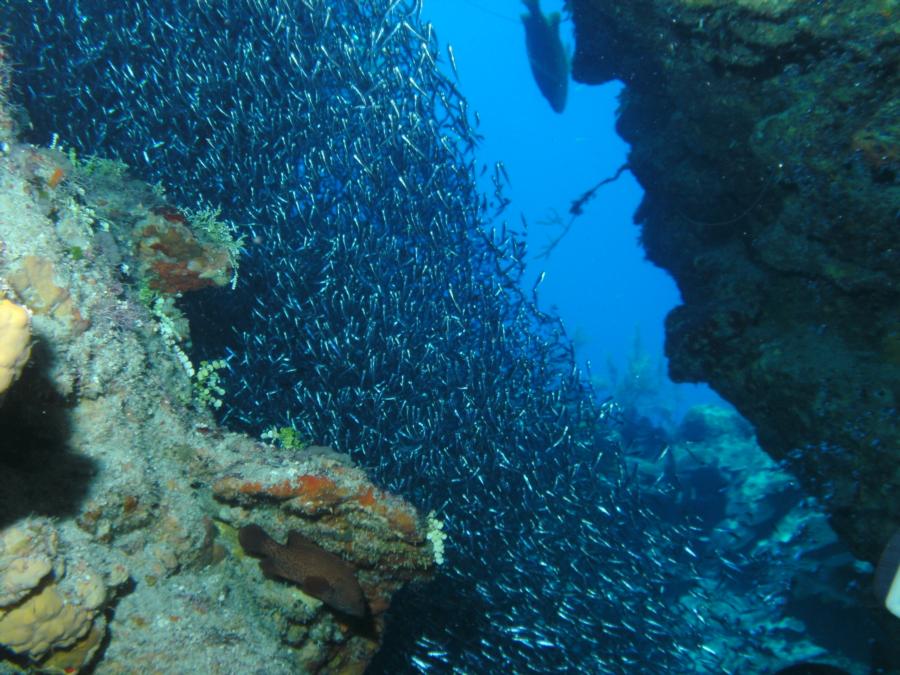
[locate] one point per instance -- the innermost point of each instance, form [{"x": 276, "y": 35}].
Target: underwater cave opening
[{"x": 612, "y": 300}]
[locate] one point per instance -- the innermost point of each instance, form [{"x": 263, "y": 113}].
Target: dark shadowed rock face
[{"x": 766, "y": 134}]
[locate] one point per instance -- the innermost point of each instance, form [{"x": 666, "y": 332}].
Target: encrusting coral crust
[{"x": 110, "y": 440}]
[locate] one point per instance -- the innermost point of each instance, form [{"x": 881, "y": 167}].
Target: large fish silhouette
[{"x": 548, "y": 59}]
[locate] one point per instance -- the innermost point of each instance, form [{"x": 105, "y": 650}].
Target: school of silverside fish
[{"x": 380, "y": 308}]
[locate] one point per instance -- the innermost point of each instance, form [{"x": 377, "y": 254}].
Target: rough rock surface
[
  {"x": 766, "y": 134},
  {"x": 117, "y": 544}
]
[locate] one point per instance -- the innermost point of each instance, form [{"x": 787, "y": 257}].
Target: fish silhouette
[{"x": 548, "y": 59}]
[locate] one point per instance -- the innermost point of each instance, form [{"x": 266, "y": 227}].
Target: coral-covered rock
[
  {"x": 765, "y": 135},
  {"x": 313, "y": 499},
  {"x": 173, "y": 259},
  {"x": 108, "y": 440},
  {"x": 34, "y": 283}
]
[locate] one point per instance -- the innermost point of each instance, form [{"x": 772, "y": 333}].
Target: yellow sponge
[
  {"x": 15, "y": 342},
  {"x": 27, "y": 555},
  {"x": 46, "y": 604},
  {"x": 43, "y": 622}
]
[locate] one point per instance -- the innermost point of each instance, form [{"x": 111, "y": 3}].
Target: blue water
[{"x": 597, "y": 279}]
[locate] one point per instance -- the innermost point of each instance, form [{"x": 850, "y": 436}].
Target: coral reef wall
[
  {"x": 119, "y": 495},
  {"x": 765, "y": 134}
]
